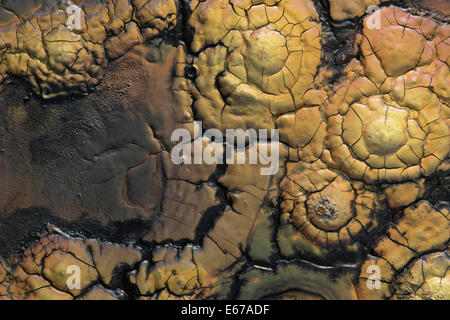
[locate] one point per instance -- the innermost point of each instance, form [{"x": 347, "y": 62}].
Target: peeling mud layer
[{"x": 358, "y": 208}]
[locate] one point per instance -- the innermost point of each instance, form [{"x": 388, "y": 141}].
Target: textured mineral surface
[{"x": 93, "y": 205}]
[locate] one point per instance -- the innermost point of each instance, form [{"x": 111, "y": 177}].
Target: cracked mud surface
[{"x": 86, "y": 177}]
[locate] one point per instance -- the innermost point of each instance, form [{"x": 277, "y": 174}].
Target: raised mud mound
[{"x": 358, "y": 207}]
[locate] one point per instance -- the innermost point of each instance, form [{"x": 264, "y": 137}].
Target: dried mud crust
[
  {"x": 87, "y": 179},
  {"x": 389, "y": 120},
  {"x": 38, "y": 45}
]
